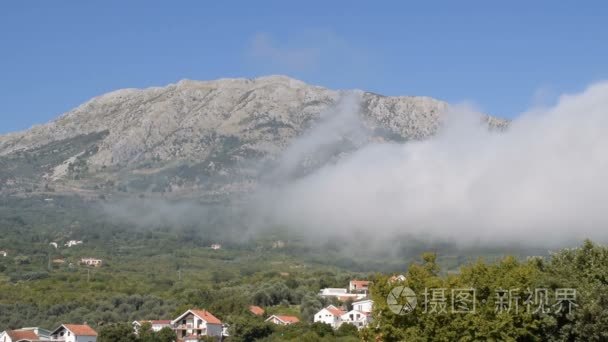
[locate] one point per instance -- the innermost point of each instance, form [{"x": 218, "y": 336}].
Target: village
[{"x": 194, "y": 324}]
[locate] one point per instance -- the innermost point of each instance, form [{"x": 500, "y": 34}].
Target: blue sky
[{"x": 504, "y": 57}]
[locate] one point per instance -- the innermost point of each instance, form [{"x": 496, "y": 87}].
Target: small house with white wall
[
  {"x": 364, "y": 306},
  {"x": 332, "y": 292},
  {"x": 341, "y": 294},
  {"x": 74, "y": 333},
  {"x": 25, "y": 335},
  {"x": 196, "y": 323},
  {"x": 156, "y": 325},
  {"x": 356, "y": 318},
  {"x": 282, "y": 319},
  {"x": 329, "y": 315}
]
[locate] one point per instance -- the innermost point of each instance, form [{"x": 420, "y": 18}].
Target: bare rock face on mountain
[{"x": 208, "y": 138}]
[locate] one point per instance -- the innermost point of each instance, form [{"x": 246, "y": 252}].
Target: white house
[
  {"x": 3, "y": 254},
  {"x": 282, "y": 319},
  {"x": 335, "y": 317},
  {"x": 329, "y": 315},
  {"x": 157, "y": 325},
  {"x": 364, "y": 306},
  {"x": 195, "y": 323},
  {"x": 341, "y": 294},
  {"x": 25, "y": 335},
  {"x": 54, "y": 244},
  {"x": 72, "y": 243},
  {"x": 356, "y": 318},
  {"x": 91, "y": 262},
  {"x": 216, "y": 246},
  {"x": 331, "y": 292},
  {"x": 74, "y": 333}
]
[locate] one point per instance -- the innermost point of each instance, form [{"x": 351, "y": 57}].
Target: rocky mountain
[{"x": 195, "y": 138}]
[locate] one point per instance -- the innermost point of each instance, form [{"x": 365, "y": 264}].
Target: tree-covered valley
[{"x": 157, "y": 272}]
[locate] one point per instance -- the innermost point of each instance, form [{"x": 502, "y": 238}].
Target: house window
[{"x": 200, "y": 321}]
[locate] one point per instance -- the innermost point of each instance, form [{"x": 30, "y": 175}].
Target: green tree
[
  {"x": 120, "y": 332},
  {"x": 347, "y": 330},
  {"x": 166, "y": 334},
  {"x": 485, "y": 323},
  {"x": 309, "y": 306},
  {"x": 249, "y": 329},
  {"x": 145, "y": 333}
]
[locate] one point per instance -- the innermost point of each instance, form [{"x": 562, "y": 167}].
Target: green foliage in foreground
[
  {"x": 123, "y": 332},
  {"x": 255, "y": 329},
  {"x": 584, "y": 269}
]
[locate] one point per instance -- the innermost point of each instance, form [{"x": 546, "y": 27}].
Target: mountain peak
[{"x": 205, "y": 129}]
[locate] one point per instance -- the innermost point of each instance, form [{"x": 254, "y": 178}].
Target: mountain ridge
[{"x": 203, "y": 131}]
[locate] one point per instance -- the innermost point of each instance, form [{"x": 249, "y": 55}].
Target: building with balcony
[{"x": 195, "y": 323}]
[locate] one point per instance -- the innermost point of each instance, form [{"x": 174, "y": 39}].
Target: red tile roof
[
  {"x": 360, "y": 283},
  {"x": 206, "y": 316},
  {"x": 256, "y": 310},
  {"x": 17, "y": 335},
  {"x": 335, "y": 311},
  {"x": 80, "y": 329},
  {"x": 288, "y": 319}
]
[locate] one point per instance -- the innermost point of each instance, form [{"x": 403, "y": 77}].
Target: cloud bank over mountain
[{"x": 541, "y": 182}]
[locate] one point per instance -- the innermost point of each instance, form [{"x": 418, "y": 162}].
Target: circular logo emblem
[{"x": 401, "y": 300}]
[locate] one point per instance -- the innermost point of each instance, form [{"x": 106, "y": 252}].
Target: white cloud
[{"x": 542, "y": 182}]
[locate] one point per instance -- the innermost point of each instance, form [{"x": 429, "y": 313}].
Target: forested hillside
[{"x": 157, "y": 272}]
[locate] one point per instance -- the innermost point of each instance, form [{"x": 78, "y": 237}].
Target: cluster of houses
[
  {"x": 276, "y": 319},
  {"x": 83, "y": 261},
  {"x": 65, "y": 333},
  {"x": 189, "y": 327},
  {"x": 360, "y": 314},
  {"x": 195, "y": 323}
]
